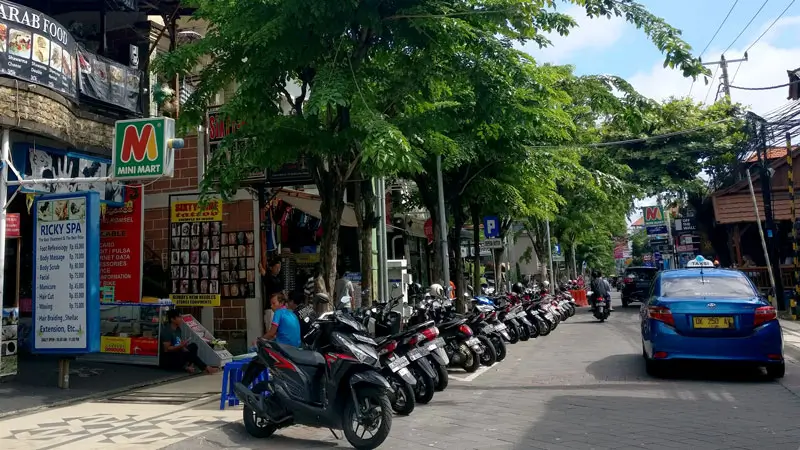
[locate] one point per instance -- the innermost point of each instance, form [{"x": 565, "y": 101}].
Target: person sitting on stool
[{"x": 178, "y": 354}]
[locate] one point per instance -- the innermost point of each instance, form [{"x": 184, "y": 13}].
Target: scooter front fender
[{"x": 426, "y": 366}]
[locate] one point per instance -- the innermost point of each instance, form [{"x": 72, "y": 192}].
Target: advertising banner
[
  {"x": 121, "y": 240},
  {"x": 109, "y": 81},
  {"x": 48, "y": 163},
  {"x": 195, "y": 236},
  {"x": 36, "y": 48},
  {"x": 653, "y": 216},
  {"x": 66, "y": 273},
  {"x": 140, "y": 346},
  {"x": 12, "y": 225}
]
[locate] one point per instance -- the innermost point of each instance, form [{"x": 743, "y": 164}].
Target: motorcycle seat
[{"x": 302, "y": 357}]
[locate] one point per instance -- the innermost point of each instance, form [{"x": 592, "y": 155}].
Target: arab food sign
[{"x": 144, "y": 148}]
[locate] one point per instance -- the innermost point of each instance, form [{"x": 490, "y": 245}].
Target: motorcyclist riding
[{"x": 600, "y": 289}]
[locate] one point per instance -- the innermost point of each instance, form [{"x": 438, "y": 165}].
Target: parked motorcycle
[{"x": 337, "y": 385}]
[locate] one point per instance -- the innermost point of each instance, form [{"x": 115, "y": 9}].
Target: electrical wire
[
  {"x": 712, "y": 39},
  {"x": 711, "y": 85},
  {"x": 761, "y": 36},
  {"x": 746, "y": 26},
  {"x": 764, "y": 88}
]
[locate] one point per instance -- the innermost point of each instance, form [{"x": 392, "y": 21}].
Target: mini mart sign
[{"x": 144, "y": 148}]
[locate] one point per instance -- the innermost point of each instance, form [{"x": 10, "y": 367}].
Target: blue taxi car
[{"x": 703, "y": 313}]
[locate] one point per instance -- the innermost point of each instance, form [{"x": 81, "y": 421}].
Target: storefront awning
[{"x": 310, "y": 204}]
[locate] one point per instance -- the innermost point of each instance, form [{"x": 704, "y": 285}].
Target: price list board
[{"x": 66, "y": 274}]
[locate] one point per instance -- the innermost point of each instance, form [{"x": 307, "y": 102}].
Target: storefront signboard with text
[
  {"x": 36, "y": 48},
  {"x": 142, "y": 148},
  {"x": 139, "y": 346},
  {"x": 195, "y": 235},
  {"x": 109, "y": 81},
  {"x": 66, "y": 273},
  {"x": 12, "y": 225},
  {"x": 219, "y": 127},
  {"x": 121, "y": 240}
]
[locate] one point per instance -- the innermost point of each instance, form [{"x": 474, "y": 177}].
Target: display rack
[{"x": 130, "y": 333}]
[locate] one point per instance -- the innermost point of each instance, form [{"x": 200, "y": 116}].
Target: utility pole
[
  {"x": 443, "y": 227},
  {"x": 769, "y": 218},
  {"x": 723, "y": 64}
]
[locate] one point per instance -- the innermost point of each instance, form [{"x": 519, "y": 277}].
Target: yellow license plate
[{"x": 713, "y": 322}]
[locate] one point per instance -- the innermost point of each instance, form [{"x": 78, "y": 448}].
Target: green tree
[{"x": 349, "y": 60}]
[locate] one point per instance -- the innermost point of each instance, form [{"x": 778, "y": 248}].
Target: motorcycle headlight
[{"x": 363, "y": 353}]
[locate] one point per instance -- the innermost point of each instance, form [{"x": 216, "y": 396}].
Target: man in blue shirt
[{"x": 285, "y": 327}]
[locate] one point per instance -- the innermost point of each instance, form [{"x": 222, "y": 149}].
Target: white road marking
[{"x": 474, "y": 375}]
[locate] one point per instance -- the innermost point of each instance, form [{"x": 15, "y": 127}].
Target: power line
[
  {"x": 714, "y": 37},
  {"x": 762, "y": 35},
  {"x": 764, "y": 88},
  {"x": 747, "y": 26},
  {"x": 711, "y": 85}
]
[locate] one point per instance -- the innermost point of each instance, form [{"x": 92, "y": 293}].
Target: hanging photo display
[
  {"x": 195, "y": 247},
  {"x": 238, "y": 264}
]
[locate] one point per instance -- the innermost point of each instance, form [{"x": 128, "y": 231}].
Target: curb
[{"x": 95, "y": 396}]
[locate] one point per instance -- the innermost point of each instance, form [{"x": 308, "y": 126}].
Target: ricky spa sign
[
  {"x": 36, "y": 48},
  {"x": 143, "y": 148},
  {"x": 66, "y": 273}
]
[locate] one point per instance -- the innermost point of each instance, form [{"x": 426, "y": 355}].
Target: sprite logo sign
[{"x": 141, "y": 148}]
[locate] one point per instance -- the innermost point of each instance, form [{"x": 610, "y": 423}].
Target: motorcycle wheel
[
  {"x": 513, "y": 333},
  {"x": 524, "y": 332},
  {"x": 423, "y": 391},
  {"x": 377, "y": 418},
  {"x": 543, "y": 325},
  {"x": 489, "y": 355},
  {"x": 258, "y": 427},
  {"x": 534, "y": 328},
  {"x": 471, "y": 361},
  {"x": 404, "y": 398},
  {"x": 444, "y": 378},
  {"x": 499, "y": 347}
]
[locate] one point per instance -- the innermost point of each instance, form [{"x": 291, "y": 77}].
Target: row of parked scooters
[{"x": 359, "y": 367}]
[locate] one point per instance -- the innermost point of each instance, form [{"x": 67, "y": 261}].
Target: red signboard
[
  {"x": 121, "y": 235},
  {"x": 144, "y": 346},
  {"x": 12, "y": 225},
  {"x": 428, "y": 229}
]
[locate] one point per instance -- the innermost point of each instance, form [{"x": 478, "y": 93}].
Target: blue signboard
[
  {"x": 66, "y": 273},
  {"x": 491, "y": 227},
  {"x": 557, "y": 249},
  {"x": 659, "y": 229}
]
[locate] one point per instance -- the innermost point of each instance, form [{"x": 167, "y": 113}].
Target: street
[{"x": 582, "y": 387}]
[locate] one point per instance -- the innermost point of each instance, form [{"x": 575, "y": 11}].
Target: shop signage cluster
[
  {"x": 143, "y": 148},
  {"x": 121, "y": 237},
  {"x": 36, "y": 48},
  {"x": 109, "y": 81},
  {"x": 66, "y": 273},
  {"x": 43, "y": 163},
  {"x": 195, "y": 247}
]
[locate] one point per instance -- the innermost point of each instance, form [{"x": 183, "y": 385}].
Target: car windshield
[
  {"x": 641, "y": 274},
  {"x": 699, "y": 287}
]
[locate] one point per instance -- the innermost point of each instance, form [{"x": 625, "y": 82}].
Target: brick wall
[{"x": 230, "y": 322}]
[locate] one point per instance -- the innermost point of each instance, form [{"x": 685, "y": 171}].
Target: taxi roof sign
[{"x": 699, "y": 262}]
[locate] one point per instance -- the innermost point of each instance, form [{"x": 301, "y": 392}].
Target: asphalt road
[{"x": 582, "y": 387}]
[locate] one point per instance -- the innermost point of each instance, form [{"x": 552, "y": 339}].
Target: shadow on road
[
  {"x": 629, "y": 367},
  {"x": 235, "y": 436}
]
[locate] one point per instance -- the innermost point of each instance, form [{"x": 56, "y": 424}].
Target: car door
[{"x": 652, "y": 295}]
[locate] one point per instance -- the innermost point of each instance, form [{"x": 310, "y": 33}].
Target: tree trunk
[
  {"x": 365, "y": 215},
  {"x": 475, "y": 209},
  {"x": 331, "y": 188},
  {"x": 458, "y": 271},
  {"x": 429, "y": 199}
]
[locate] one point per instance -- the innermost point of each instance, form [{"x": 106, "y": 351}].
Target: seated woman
[{"x": 285, "y": 327}]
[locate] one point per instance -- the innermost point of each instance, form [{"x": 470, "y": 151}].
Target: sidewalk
[
  {"x": 144, "y": 419},
  {"x": 791, "y": 338},
  {"x": 36, "y": 385}
]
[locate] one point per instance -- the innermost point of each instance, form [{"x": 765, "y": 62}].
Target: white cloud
[
  {"x": 589, "y": 34},
  {"x": 767, "y": 66}
]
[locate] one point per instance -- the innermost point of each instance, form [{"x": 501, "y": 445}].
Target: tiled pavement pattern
[{"x": 582, "y": 387}]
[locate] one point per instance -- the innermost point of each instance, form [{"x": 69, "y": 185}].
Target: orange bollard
[{"x": 580, "y": 297}]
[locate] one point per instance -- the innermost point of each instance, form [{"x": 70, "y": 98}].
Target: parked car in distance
[
  {"x": 703, "y": 313},
  {"x": 636, "y": 284}
]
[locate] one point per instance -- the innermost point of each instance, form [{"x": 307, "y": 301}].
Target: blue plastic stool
[{"x": 232, "y": 373}]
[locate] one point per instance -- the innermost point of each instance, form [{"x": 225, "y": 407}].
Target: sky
[{"x": 612, "y": 46}]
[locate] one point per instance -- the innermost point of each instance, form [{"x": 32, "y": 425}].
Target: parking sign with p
[{"x": 491, "y": 227}]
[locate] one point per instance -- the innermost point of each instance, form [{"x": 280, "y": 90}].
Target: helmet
[
  {"x": 518, "y": 288},
  {"x": 436, "y": 290},
  {"x": 415, "y": 289}
]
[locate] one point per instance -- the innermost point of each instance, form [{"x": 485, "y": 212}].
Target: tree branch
[
  {"x": 466, "y": 183},
  {"x": 441, "y": 16}
]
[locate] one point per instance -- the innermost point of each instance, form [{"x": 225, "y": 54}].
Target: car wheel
[{"x": 775, "y": 371}]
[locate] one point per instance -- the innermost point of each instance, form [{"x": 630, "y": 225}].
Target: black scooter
[{"x": 336, "y": 386}]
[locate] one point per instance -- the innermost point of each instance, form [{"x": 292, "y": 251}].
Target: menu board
[
  {"x": 121, "y": 238},
  {"x": 238, "y": 264},
  {"x": 195, "y": 236},
  {"x": 66, "y": 313},
  {"x": 36, "y": 48},
  {"x": 109, "y": 81}
]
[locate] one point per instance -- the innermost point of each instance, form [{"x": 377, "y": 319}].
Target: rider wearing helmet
[{"x": 518, "y": 288}]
